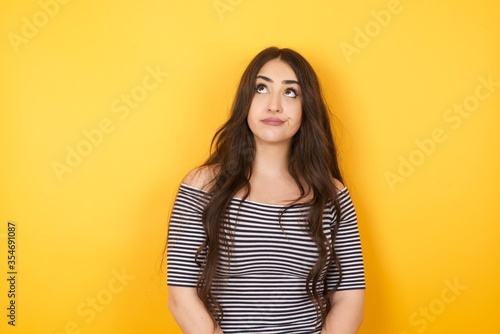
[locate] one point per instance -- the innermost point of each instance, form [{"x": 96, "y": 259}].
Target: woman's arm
[
  {"x": 189, "y": 312},
  {"x": 185, "y": 235},
  {"x": 346, "y": 313}
]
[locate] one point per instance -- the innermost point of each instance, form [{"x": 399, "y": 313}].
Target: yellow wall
[{"x": 137, "y": 89}]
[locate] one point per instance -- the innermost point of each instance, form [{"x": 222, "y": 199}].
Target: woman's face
[{"x": 276, "y": 110}]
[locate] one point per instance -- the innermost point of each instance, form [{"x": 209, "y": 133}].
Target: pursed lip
[{"x": 273, "y": 121}]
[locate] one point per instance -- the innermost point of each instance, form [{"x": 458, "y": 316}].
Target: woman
[{"x": 263, "y": 237}]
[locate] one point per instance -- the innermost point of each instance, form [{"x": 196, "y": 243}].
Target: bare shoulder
[
  {"x": 200, "y": 177},
  {"x": 339, "y": 185}
]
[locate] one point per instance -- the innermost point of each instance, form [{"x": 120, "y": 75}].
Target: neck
[{"x": 271, "y": 159}]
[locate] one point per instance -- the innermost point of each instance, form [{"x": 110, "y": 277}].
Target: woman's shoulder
[
  {"x": 338, "y": 185},
  {"x": 201, "y": 177}
]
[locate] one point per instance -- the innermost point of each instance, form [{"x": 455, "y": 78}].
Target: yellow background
[{"x": 436, "y": 226}]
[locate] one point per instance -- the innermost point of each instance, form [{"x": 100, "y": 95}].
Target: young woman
[{"x": 263, "y": 237}]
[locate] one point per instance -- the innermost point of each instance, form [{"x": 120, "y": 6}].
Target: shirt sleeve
[
  {"x": 348, "y": 247},
  {"x": 185, "y": 235}
]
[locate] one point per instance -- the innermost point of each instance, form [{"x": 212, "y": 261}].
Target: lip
[{"x": 274, "y": 121}]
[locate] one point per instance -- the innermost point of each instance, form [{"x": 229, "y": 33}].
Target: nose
[{"x": 274, "y": 102}]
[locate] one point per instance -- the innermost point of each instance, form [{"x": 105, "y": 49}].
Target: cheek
[
  {"x": 294, "y": 107},
  {"x": 298, "y": 115},
  {"x": 252, "y": 118},
  {"x": 298, "y": 121},
  {"x": 254, "y": 107},
  {"x": 251, "y": 112},
  {"x": 296, "y": 124},
  {"x": 257, "y": 104}
]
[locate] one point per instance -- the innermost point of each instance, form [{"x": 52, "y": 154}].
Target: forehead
[{"x": 277, "y": 69}]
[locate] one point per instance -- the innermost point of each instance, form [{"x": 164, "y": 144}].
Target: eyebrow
[{"x": 286, "y": 82}]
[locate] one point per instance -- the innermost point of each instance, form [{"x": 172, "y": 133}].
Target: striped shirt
[{"x": 264, "y": 289}]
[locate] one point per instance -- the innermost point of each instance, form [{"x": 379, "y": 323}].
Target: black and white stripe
[{"x": 264, "y": 283}]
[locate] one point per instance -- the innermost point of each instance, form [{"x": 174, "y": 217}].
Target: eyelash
[{"x": 288, "y": 89}]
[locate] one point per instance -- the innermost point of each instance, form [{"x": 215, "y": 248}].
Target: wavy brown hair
[{"x": 313, "y": 165}]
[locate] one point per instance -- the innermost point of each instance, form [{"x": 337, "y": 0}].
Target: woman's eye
[
  {"x": 261, "y": 89},
  {"x": 290, "y": 93}
]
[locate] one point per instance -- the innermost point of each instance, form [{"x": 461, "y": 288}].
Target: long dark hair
[{"x": 313, "y": 164}]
